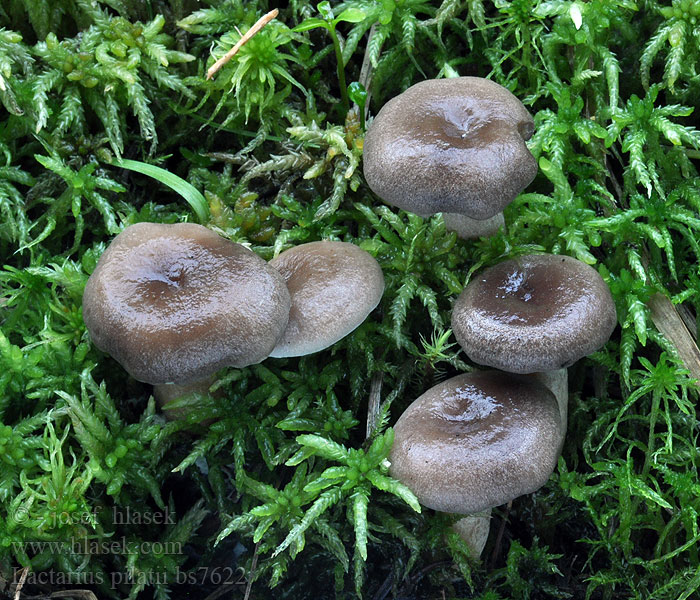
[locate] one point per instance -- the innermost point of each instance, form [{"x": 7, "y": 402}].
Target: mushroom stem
[
  {"x": 557, "y": 382},
  {"x": 474, "y": 530},
  {"x": 467, "y": 228},
  {"x": 168, "y": 392}
]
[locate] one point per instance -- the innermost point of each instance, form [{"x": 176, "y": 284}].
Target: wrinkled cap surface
[
  {"x": 450, "y": 145},
  {"x": 477, "y": 441},
  {"x": 175, "y": 303},
  {"x": 334, "y": 286},
  {"x": 534, "y": 313}
]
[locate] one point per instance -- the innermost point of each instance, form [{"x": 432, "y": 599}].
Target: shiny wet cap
[
  {"x": 534, "y": 313},
  {"x": 450, "y": 145},
  {"x": 333, "y": 286},
  {"x": 477, "y": 441},
  {"x": 175, "y": 303}
]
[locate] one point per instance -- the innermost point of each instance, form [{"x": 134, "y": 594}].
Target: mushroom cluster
[
  {"x": 480, "y": 440},
  {"x": 175, "y": 303},
  {"x": 455, "y": 146}
]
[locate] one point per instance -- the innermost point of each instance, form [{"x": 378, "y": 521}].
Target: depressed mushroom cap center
[
  {"x": 465, "y": 123},
  {"x": 179, "y": 284},
  {"x": 526, "y": 294}
]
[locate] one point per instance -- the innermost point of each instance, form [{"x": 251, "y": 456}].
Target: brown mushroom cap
[
  {"x": 450, "y": 145},
  {"x": 477, "y": 441},
  {"x": 334, "y": 286},
  {"x": 534, "y": 313},
  {"x": 175, "y": 303}
]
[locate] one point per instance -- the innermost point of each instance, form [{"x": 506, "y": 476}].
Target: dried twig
[
  {"x": 87, "y": 594},
  {"x": 253, "y": 566},
  {"x": 499, "y": 537},
  {"x": 689, "y": 320},
  {"x": 366, "y": 71},
  {"x": 20, "y": 585},
  {"x": 375, "y": 398},
  {"x": 671, "y": 325},
  {"x": 226, "y": 157},
  {"x": 259, "y": 24},
  {"x": 222, "y": 590}
]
